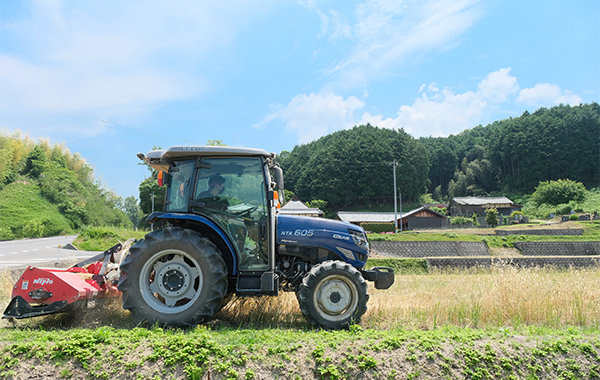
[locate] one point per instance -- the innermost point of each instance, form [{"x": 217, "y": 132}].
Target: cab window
[
  {"x": 233, "y": 192},
  {"x": 179, "y": 188}
]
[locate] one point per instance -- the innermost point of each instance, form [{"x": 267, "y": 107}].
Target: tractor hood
[{"x": 347, "y": 240}]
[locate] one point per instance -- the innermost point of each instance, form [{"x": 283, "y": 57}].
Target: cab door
[{"x": 233, "y": 191}]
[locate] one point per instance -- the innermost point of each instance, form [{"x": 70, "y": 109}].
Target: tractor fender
[{"x": 201, "y": 220}]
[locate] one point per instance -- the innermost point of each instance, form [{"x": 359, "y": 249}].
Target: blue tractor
[{"x": 222, "y": 235}]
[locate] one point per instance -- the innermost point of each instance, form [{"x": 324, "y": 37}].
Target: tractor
[{"x": 221, "y": 234}]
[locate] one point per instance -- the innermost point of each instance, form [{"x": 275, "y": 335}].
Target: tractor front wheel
[
  {"x": 174, "y": 277},
  {"x": 333, "y": 295}
]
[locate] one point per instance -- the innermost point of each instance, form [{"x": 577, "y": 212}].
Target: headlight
[{"x": 359, "y": 238}]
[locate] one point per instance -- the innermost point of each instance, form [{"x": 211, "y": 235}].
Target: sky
[{"x": 109, "y": 79}]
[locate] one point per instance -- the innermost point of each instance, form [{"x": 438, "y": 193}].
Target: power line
[{"x": 42, "y": 104}]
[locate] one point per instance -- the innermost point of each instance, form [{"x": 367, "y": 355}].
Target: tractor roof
[{"x": 159, "y": 159}]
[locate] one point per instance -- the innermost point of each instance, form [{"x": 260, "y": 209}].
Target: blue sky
[{"x": 112, "y": 78}]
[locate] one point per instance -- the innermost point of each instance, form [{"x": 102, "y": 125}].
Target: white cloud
[
  {"x": 440, "y": 113},
  {"x": 544, "y": 94},
  {"x": 314, "y": 115},
  {"x": 108, "y": 58},
  {"x": 388, "y": 32},
  {"x": 434, "y": 113},
  {"x": 498, "y": 86}
]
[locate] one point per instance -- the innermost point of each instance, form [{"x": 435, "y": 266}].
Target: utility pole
[
  {"x": 152, "y": 224},
  {"x": 400, "y": 212},
  {"x": 394, "y": 164}
]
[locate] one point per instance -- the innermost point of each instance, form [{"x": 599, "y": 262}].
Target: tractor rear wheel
[
  {"x": 333, "y": 295},
  {"x": 173, "y": 277}
]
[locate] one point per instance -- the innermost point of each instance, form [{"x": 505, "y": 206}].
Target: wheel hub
[
  {"x": 173, "y": 280},
  {"x": 170, "y": 285},
  {"x": 335, "y": 297}
]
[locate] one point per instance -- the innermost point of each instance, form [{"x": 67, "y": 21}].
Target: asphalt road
[{"x": 43, "y": 252}]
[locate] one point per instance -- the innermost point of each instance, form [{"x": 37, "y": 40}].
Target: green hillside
[
  {"x": 46, "y": 190},
  {"x": 24, "y": 212}
]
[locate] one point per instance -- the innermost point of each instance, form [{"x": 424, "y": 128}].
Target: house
[
  {"x": 468, "y": 206},
  {"x": 296, "y": 207},
  {"x": 419, "y": 218}
]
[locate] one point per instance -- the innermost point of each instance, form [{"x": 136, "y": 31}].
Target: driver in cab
[{"x": 212, "y": 196}]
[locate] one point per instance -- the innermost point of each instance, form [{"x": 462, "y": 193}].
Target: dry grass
[
  {"x": 502, "y": 296},
  {"x": 6, "y": 285},
  {"x": 497, "y": 297},
  {"x": 282, "y": 311}
]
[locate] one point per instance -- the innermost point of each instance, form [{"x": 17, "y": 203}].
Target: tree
[
  {"x": 491, "y": 217},
  {"x": 352, "y": 167},
  {"x": 149, "y": 188},
  {"x": 36, "y": 162},
  {"x": 132, "y": 209}
]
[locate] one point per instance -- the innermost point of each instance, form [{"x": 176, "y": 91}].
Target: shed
[
  {"x": 419, "y": 218},
  {"x": 467, "y": 206}
]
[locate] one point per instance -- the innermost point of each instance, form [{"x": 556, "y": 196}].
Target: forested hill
[
  {"x": 351, "y": 168},
  {"x": 515, "y": 154},
  {"x": 46, "y": 190}
]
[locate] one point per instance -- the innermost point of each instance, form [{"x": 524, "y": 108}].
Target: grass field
[
  {"x": 486, "y": 323},
  {"x": 477, "y": 324}
]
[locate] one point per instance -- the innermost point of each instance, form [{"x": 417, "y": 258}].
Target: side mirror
[{"x": 279, "y": 179}]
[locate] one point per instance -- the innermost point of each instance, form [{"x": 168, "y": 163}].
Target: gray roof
[
  {"x": 297, "y": 207},
  {"x": 480, "y": 201},
  {"x": 380, "y": 217},
  {"x": 422, "y": 208}
]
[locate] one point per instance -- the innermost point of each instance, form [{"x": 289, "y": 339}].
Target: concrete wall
[
  {"x": 407, "y": 249},
  {"x": 524, "y": 262},
  {"x": 556, "y": 248},
  {"x": 472, "y": 254},
  {"x": 549, "y": 232}
]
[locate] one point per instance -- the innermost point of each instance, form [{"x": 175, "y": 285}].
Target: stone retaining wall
[
  {"x": 556, "y": 248},
  {"x": 549, "y": 232},
  {"x": 524, "y": 262},
  {"x": 472, "y": 254},
  {"x": 421, "y": 249}
]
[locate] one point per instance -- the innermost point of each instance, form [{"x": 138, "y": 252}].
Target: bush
[
  {"x": 558, "y": 192},
  {"x": 474, "y": 220},
  {"x": 6, "y": 233},
  {"x": 441, "y": 210},
  {"x": 461, "y": 221},
  {"x": 574, "y": 217},
  {"x": 563, "y": 209},
  {"x": 379, "y": 227},
  {"x": 34, "y": 229},
  {"x": 517, "y": 215},
  {"x": 99, "y": 233}
]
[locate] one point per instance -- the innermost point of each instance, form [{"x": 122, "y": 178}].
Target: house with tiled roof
[
  {"x": 468, "y": 206},
  {"x": 296, "y": 207}
]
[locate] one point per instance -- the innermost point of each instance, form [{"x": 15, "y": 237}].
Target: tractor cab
[{"x": 227, "y": 192}]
